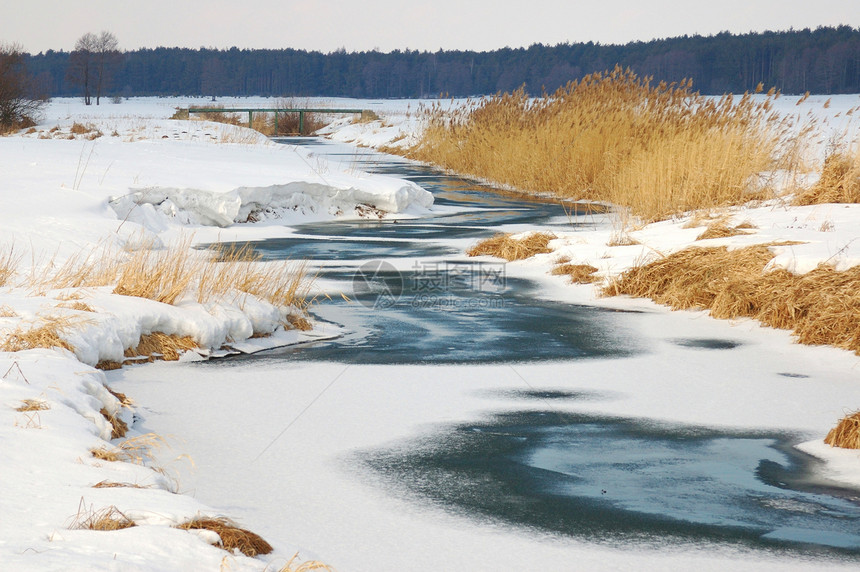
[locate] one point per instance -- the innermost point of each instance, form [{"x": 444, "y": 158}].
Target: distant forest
[{"x": 825, "y": 60}]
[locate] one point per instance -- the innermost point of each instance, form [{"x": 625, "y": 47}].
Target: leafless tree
[
  {"x": 91, "y": 63},
  {"x": 18, "y": 101}
]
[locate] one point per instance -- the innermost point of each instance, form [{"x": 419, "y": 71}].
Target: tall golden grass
[
  {"x": 613, "y": 136},
  {"x": 820, "y": 307},
  {"x": 839, "y": 181}
]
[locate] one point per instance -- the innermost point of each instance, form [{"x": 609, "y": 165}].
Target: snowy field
[{"x": 270, "y": 445}]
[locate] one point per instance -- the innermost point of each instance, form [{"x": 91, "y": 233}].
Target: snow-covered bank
[{"x": 88, "y": 184}]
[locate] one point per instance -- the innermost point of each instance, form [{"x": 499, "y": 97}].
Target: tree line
[{"x": 824, "y": 60}]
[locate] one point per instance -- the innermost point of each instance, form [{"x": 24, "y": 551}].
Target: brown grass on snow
[
  {"x": 232, "y": 537},
  {"x": 137, "y": 450},
  {"x": 820, "y": 307},
  {"x": 306, "y": 566},
  {"x": 509, "y": 248},
  {"x": 721, "y": 229},
  {"x": 161, "y": 346},
  {"x": 118, "y": 427},
  {"x": 47, "y": 335},
  {"x": 160, "y": 275},
  {"x": 578, "y": 273},
  {"x": 846, "y": 434},
  {"x": 106, "y": 519},
  {"x": 614, "y": 137},
  {"x": 115, "y": 485},
  {"x": 33, "y": 405}
]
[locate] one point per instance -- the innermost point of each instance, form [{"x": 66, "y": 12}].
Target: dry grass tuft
[
  {"x": 33, "y": 405},
  {"x": 137, "y": 450},
  {"x": 299, "y": 322},
  {"x": 839, "y": 182},
  {"x": 306, "y": 566},
  {"x": 614, "y": 137},
  {"x": 108, "y": 365},
  {"x": 578, "y": 273},
  {"x": 846, "y": 434},
  {"x": 7, "y": 312},
  {"x": 47, "y": 335},
  {"x": 820, "y": 307},
  {"x": 720, "y": 229},
  {"x": 160, "y": 275},
  {"x": 115, "y": 485},
  {"x": 232, "y": 537},
  {"x": 79, "y": 306},
  {"x": 509, "y": 248},
  {"x": 119, "y": 427},
  {"x": 8, "y": 263},
  {"x": 121, "y": 397},
  {"x": 106, "y": 519},
  {"x": 236, "y": 269},
  {"x": 161, "y": 346}
]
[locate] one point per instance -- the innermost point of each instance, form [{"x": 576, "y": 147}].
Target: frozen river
[{"x": 469, "y": 415}]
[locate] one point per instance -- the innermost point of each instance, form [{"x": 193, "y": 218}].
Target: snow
[{"x": 153, "y": 179}]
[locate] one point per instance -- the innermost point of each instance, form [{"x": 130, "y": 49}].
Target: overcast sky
[{"x": 357, "y": 25}]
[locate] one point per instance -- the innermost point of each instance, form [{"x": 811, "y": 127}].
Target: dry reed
[
  {"x": 509, "y": 248},
  {"x": 161, "y": 346},
  {"x": 306, "y": 566},
  {"x": 241, "y": 269},
  {"x": 578, "y": 273},
  {"x": 613, "y": 136},
  {"x": 721, "y": 229},
  {"x": 106, "y": 519},
  {"x": 33, "y": 405},
  {"x": 846, "y": 434},
  {"x": 115, "y": 485},
  {"x": 820, "y": 307},
  {"x": 232, "y": 537},
  {"x": 50, "y": 334},
  {"x": 8, "y": 262},
  {"x": 118, "y": 427},
  {"x": 137, "y": 450},
  {"x": 121, "y": 397},
  {"x": 839, "y": 181},
  {"x": 160, "y": 275}
]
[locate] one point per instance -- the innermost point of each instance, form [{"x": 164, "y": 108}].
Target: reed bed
[
  {"x": 232, "y": 536},
  {"x": 819, "y": 307},
  {"x": 846, "y": 434},
  {"x": 839, "y": 181},
  {"x": 655, "y": 149},
  {"x": 510, "y": 248}
]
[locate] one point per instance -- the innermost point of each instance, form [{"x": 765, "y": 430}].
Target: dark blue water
[{"x": 407, "y": 295}]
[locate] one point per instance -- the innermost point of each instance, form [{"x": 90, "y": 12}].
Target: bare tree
[
  {"x": 18, "y": 100},
  {"x": 81, "y": 66},
  {"x": 107, "y": 55},
  {"x": 91, "y": 63}
]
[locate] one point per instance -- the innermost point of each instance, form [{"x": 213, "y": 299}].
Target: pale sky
[{"x": 358, "y": 25}]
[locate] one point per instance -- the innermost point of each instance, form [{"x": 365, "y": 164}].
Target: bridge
[{"x": 301, "y": 111}]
